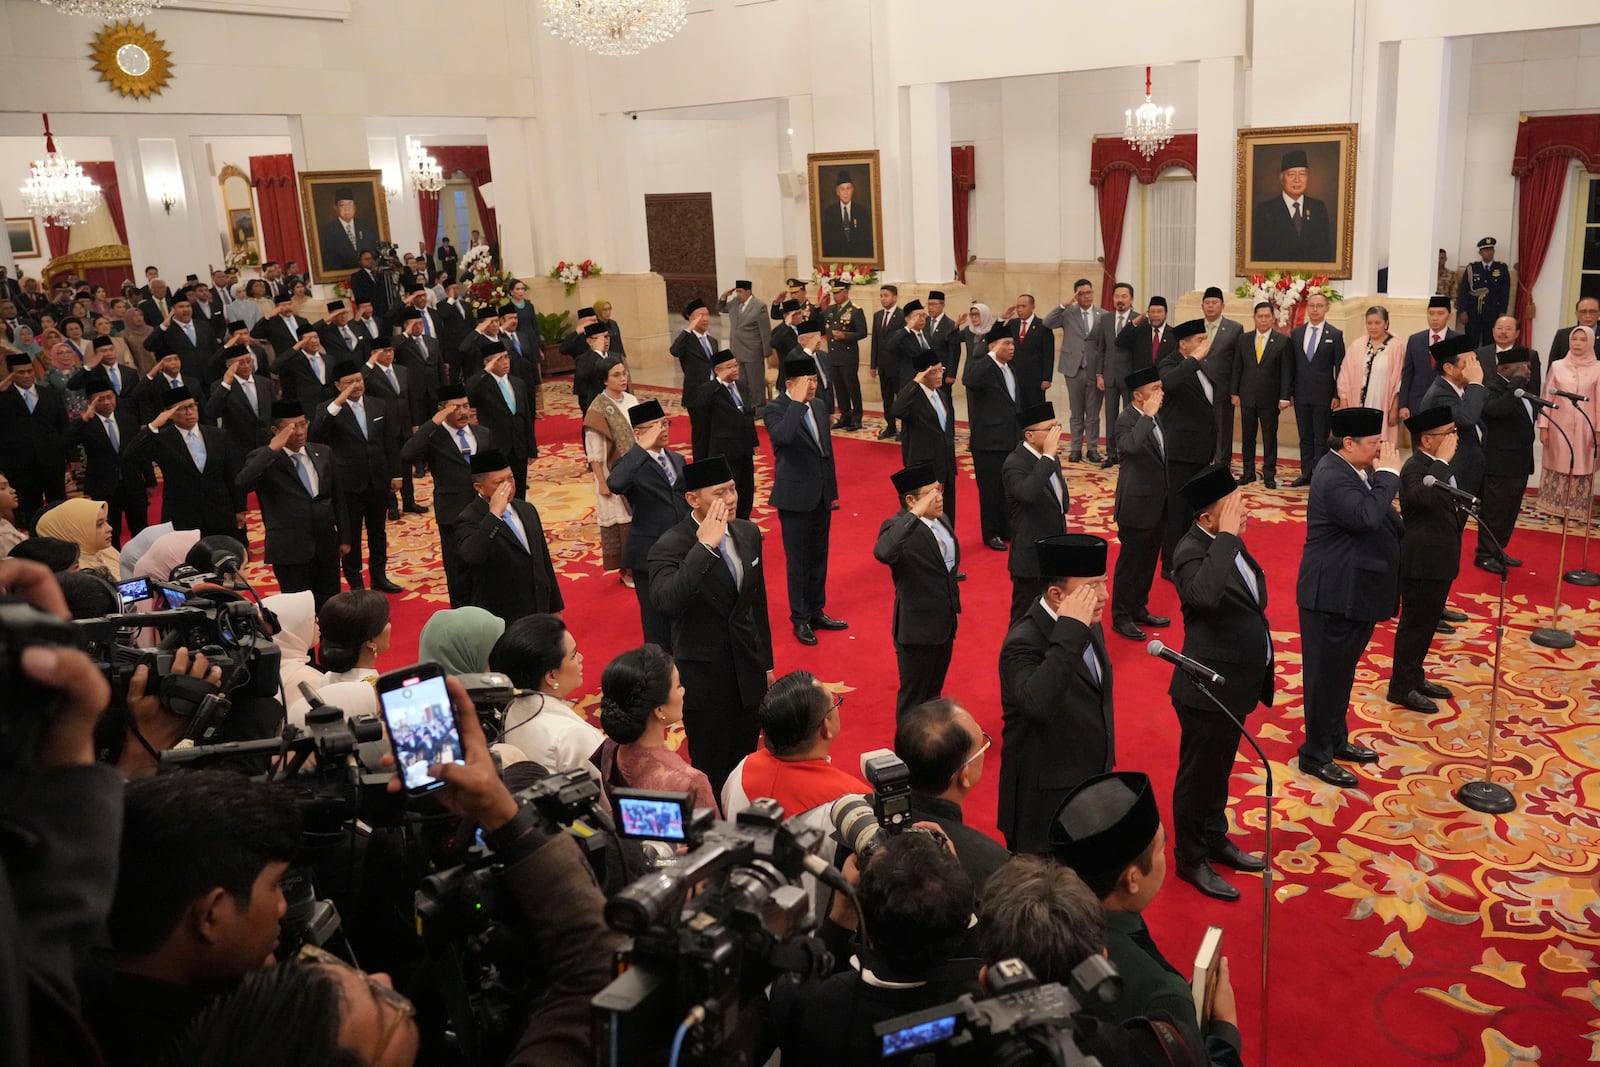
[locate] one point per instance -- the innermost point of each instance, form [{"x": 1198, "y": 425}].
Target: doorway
[{"x": 683, "y": 247}]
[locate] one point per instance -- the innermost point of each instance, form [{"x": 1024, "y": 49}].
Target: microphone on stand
[
  {"x": 1184, "y": 663},
  {"x": 1576, "y": 398},
  {"x": 1538, "y": 401},
  {"x": 1460, "y": 494}
]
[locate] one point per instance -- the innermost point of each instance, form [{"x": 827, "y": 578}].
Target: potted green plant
[{"x": 553, "y": 329}]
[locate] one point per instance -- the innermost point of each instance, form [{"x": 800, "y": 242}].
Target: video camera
[
  {"x": 1020, "y": 1022},
  {"x": 694, "y": 973}
]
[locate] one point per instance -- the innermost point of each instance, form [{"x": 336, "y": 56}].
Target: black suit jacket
[
  {"x": 363, "y": 462},
  {"x": 36, "y": 439},
  {"x": 728, "y": 431},
  {"x": 1508, "y": 432},
  {"x": 927, "y": 597},
  {"x": 366, "y": 287},
  {"x": 454, "y": 326},
  {"x": 227, "y": 406},
  {"x": 1134, "y": 343},
  {"x": 402, "y": 404},
  {"x": 297, "y": 381},
  {"x": 1035, "y": 510},
  {"x": 921, "y": 438},
  {"x": 1059, "y": 728},
  {"x": 423, "y": 359},
  {"x": 214, "y": 315},
  {"x": 721, "y": 636},
  {"x": 1274, "y": 239},
  {"x": 991, "y": 412},
  {"x": 1262, "y": 384},
  {"x": 1141, "y": 502},
  {"x": 1431, "y": 546},
  {"x": 657, "y": 505},
  {"x": 513, "y": 430},
  {"x": 152, "y": 391},
  {"x": 1351, "y": 561},
  {"x": 1186, "y": 417},
  {"x": 1314, "y": 381},
  {"x": 299, "y": 527},
  {"x": 274, "y": 332},
  {"x": 803, "y": 474},
  {"x": 337, "y": 251},
  {"x": 452, "y": 474},
  {"x": 192, "y": 499},
  {"x": 1035, "y": 359},
  {"x": 333, "y": 341},
  {"x": 884, "y": 325},
  {"x": 1419, "y": 370},
  {"x": 1490, "y": 362},
  {"x": 1467, "y": 410},
  {"x": 129, "y": 381},
  {"x": 106, "y": 470},
  {"x": 507, "y": 580},
  {"x": 1224, "y": 625},
  {"x": 846, "y": 242},
  {"x": 196, "y": 356},
  {"x": 155, "y": 310},
  {"x": 906, "y": 348}
]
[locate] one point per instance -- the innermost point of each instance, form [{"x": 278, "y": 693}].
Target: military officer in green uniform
[
  {"x": 846, "y": 327},
  {"x": 1484, "y": 296}
]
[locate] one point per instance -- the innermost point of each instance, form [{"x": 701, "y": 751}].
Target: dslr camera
[{"x": 865, "y": 823}]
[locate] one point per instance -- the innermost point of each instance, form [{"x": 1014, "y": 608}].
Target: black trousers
[
  {"x": 1117, "y": 400},
  {"x": 320, "y": 577},
  {"x": 744, "y": 480},
  {"x": 1421, "y": 603},
  {"x": 36, "y": 486},
  {"x": 519, "y": 473},
  {"x": 1222, "y": 409},
  {"x": 370, "y": 509},
  {"x": 888, "y": 388},
  {"x": 408, "y": 489},
  {"x": 992, "y": 512},
  {"x": 456, "y": 579},
  {"x": 847, "y": 387},
  {"x": 805, "y": 548},
  {"x": 657, "y": 628},
  {"x": 1134, "y": 572},
  {"x": 719, "y": 739},
  {"x": 1208, "y": 741},
  {"x": 1266, "y": 418},
  {"x": 1312, "y": 422},
  {"x": 1180, "y": 516},
  {"x": 1502, "y": 501},
  {"x": 1024, "y": 591},
  {"x": 922, "y": 672},
  {"x": 1480, "y": 331},
  {"x": 1331, "y": 649},
  {"x": 949, "y": 487},
  {"x": 127, "y": 505}
]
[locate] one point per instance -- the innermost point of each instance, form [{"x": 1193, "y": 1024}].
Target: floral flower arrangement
[
  {"x": 1287, "y": 293},
  {"x": 828, "y": 272},
  {"x": 570, "y": 274},
  {"x": 490, "y": 288},
  {"x": 242, "y": 257},
  {"x": 342, "y": 291},
  {"x": 477, "y": 260}
]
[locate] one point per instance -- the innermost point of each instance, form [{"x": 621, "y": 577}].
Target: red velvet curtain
[
  {"x": 428, "y": 208},
  {"x": 281, "y": 236},
  {"x": 104, "y": 174},
  {"x": 963, "y": 179},
  {"x": 57, "y": 237},
  {"x": 1113, "y": 164},
  {"x": 1545, "y": 147},
  {"x": 473, "y": 161}
]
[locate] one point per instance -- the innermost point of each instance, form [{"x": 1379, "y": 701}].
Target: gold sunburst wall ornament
[{"x": 131, "y": 59}]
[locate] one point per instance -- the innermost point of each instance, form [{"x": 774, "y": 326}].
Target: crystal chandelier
[
  {"x": 105, "y": 10},
  {"x": 1150, "y": 127},
  {"x": 426, "y": 174},
  {"x": 615, "y": 27},
  {"x": 58, "y": 192}
]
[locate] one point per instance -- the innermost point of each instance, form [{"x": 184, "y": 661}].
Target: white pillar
[
  {"x": 1417, "y": 182},
  {"x": 513, "y": 195},
  {"x": 1217, "y": 101},
  {"x": 933, "y": 251},
  {"x": 1030, "y": 116}
]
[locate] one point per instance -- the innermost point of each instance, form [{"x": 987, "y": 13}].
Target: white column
[
  {"x": 798, "y": 142},
  {"x": 1417, "y": 194},
  {"x": 933, "y": 252},
  {"x": 1030, "y": 116},
  {"x": 513, "y": 195},
  {"x": 1220, "y": 90}
]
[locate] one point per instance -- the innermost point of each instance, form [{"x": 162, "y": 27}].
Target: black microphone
[
  {"x": 1184, "y": 663},
  {"x": 1574, "y": 397},
  {"x": 1523, "y": 394},
  {"x": 1460, "y": 494}
]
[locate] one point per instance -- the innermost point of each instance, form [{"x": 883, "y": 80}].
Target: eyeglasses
[
  {"x": 403, "y": 1009},
  {"x": 987, "y": 742},
  {"x": 837, "y": 703}
]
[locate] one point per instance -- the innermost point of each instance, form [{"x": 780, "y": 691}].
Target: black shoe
[
  {"x": 1233, "y": 856},
  {"x": 996, "y": 543},
  {"x": 828, "y": 622},
  {"x": 1095, "y": 457},
  {"x": 1331, "y": 773},
  {"x": 1452, "y": 615},
  {"x": 1269, "y": 481},
  {"x": 961, "y": 576},
  {"x": 384, "y": 585},
  {"x": 1249, "y": 476},
  {"x": 1493, "y": 566},
  {"x": 1442, "y": 627},
  {"x": 1130, "y": 630},
  {"x": 1435, "y": 690},
  {"x": 1355, "y": 753},
  {"x": 1166, "y": 575},
  {"x": 1148, "y": 619},
  {"x": 394, "y": 514},
  {"x": 1300, "y": 482},
  {"x": 1413, "y": 699},
  {"x": 804, "y": 633},
  {"x": 415, "y": 509},
  {"x": 1510, "y": 561},
  {"x": 1075, "y": 457},
  {"x": 887, "y": 434},
  {"x": 835, "y": 506},
  {"x": 840, "y": 424},
  {"x": 1205, "y": 878},
  {"x": 419, "y": 471},
  {"x": 1108, "y": 463}
]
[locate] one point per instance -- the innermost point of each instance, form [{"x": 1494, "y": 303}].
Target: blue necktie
[
  {"x": 505, "y": 391},
  {"x": 516, "y": 528},
  {"x": 115, "y": 374},
  {"x": 30, "y": 399},
  {"x": 250, "y": 395},
  {"x": 466, "y": 446},
  {"x": 427, "y": 324},
  {"x": 947, "y": 545},
  {"x": 726, "y": 547},
  {"x": 197, "y": 448},
  {"x": 301, "y": 472},
  {"x": 666, "y": 468},
  {"x": 111, "y": 432},
  {"x": 733, "y": 390},
  {"x": 1311, "y": 343},
  {"x": 316, "y": 368},
  {"x": 1161, "y": 442},
  {"x": 811, "y": 424},
  {"x": 188, "y": 331},
  {"x": 361, "y": 416},
  {"x": 1249, "y": 578},
  {"x": 1092, "y": 661},
  {"x": 938, "y": 408}
]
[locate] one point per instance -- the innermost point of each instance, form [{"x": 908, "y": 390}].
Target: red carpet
[{"x": 1407, "y": 928}]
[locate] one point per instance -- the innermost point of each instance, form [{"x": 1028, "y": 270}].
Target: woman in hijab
[
  {"x": 83, "y": 522},
  {"x": 164, "y": 554},
  {"x": 1566, "y": 484},
  {"x": 459, "y": 640},
  {"x": 24, "y": 341},
  {"x": 607, "y": 437},
  {"x": 135, "y": 331},
  {"x": 137, "y": 545},
  {"x": 974, "y": 331},
  {"x": 297, "y": 635}
]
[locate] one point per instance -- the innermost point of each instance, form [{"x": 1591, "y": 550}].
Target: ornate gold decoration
[{"x": 131, "y": 59}]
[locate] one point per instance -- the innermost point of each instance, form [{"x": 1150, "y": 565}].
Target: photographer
[
  {"x": 357, "y": 1019},
  {"x": 916, "y": 907},
  {"x": 197, "y": 904},
  {"x": 943, "y": 747}
]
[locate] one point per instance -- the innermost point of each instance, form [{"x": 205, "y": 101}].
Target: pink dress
[
  {"x": 1378, "y": 388},
  {"x": 1566, "y": 482}
]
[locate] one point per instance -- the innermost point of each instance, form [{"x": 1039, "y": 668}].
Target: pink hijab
[{"x": 166, "y": 553}]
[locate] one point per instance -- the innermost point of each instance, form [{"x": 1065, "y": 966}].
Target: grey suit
[
  {"x": 1083, "y": 395},
  {"x": 1103, "y": 358},
  {"x": 1218, "y": 366},
  {"x": 749, "y": 339}
]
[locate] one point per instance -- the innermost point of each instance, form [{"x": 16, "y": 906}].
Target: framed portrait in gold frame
[
  {"x": 346, "y": 213},
  {"x": 846, "y": 208},
  {"x": 1296, "y": 199}
]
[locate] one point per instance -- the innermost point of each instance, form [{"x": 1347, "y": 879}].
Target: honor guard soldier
[
  {"x": 1485, "y": 294},
  {"x": 847, "y": 327},
  {"x": 919, "y": 547}
]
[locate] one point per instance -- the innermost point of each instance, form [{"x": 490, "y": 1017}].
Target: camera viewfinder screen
[
  {"x": 133, "y": 590},
  {"x": 913, "y": 1037},
  {"x": 422, "y": 729},
  {"x": 648, "y": 817}
]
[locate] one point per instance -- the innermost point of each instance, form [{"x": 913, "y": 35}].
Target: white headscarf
[
  {"x": 984, "y": 322},
  {"x": 297, "y": 621}
]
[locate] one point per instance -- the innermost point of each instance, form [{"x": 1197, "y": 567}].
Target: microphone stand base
[
  {"x": 1487, "y": 797},
  {"x": 1581, "y": 577},
  {"x": 1551, "y": 637}
]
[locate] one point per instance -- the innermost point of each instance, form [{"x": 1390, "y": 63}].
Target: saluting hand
[
  {"x": 714, "y": 527},
  {"x": 501, "y": 497},
  {"x": 1474, "y": 372},
  {"x": 1447, "y": 450},
  {"x": 1388, "y": 455},
  {"x": 1230, "y": 515},
  {"x": 1080, "y": 604},
  {"x": 1052, "y": 441},
  {"x": 344, "y": 394},
  {"x": 280, "y": 439},
  {"x": 161, "y": 419}
]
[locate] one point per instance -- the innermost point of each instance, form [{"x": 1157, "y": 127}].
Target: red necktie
[
  {"x": 1435, "y": 338},
  {"x": 1024, "y": 336},
  {"x": 1155, "y": 343}
]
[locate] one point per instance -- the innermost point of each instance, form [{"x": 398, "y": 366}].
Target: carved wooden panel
[{"x": 683, "y": 248}]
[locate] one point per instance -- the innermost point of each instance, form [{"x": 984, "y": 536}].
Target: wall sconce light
[
  {"x": 168, "y": 198},
  {"x": 390, "y": 189}
]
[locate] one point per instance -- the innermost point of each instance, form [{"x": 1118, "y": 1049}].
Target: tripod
[
  {"x": 1583, "y": 575},
  {"x": 1485, "y": 795},
  {"x": 1553, "y": 636},
  {"x": 1266, "y": 874}
]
